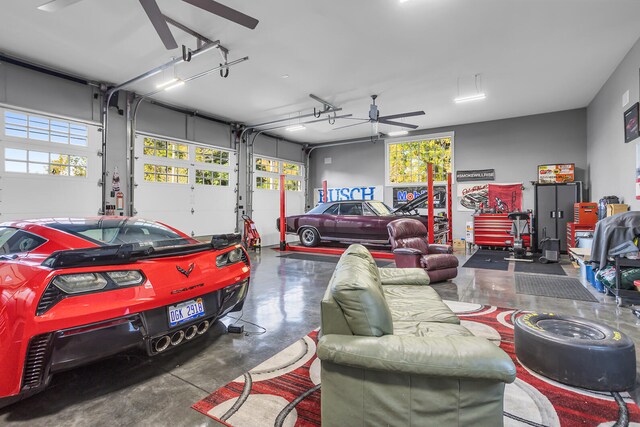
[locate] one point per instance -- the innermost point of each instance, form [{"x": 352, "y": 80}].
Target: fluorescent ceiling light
[
  {"x": 476, "y": 97},
  {"x": 167, "y": 83},
  {"x": 398, "y": 133},
  {"x": 174, "y": 85},
  {"x": 294, "y": 128}
]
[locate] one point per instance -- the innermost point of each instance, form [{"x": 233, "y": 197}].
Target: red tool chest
[
  {"x": 585, "y": 213},
  {"x": 573, "y": 228},
  {"x": 493, "y": 230}
]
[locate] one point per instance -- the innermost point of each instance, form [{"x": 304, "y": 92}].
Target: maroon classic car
[{"x": 359, "y": 221}]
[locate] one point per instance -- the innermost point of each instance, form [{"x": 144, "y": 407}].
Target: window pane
[
  {"x": 13, "y": 154},
  {"x": 38, "y": 168},
  {"x": 10, "y": 166},
  {"x": 38, "y": 156}
]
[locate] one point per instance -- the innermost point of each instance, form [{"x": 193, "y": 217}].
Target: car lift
[{"x": 284, "y": 246}]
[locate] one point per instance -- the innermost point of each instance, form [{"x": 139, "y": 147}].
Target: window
[
  {"x": 37, "y": 128},
  {"x": 407, "y": 161},
  {"x": 366, "y": 210},
  {"x": 266, "y": 165},
  {"x": 170, "y": 174},
  {"x": 290, "y": 169},
  {"x": 266, "y": 183},
  {"x": 292, "y": 185},
  {"x": 333, "y": 210},
  {"x": 206, "y": 177},
  {"x": 351, "y": 209},
  {"x": 13, "y": 241},
  {"x": 213, "y": 156},
  {"x": 161, "y": 148},
  {"x": 43, "y": 163}
]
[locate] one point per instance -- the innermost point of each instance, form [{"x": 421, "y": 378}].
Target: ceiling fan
[
  {"x": 159, "y": 22},
  {"x": 375, "y": 117}
]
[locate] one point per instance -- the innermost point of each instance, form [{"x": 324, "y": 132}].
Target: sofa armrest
[
  {"x": 404, "y": 276},
  {"x": 407, "y": 257},
  {"x": 453, "y": 357},
  {"x": 440, "y": 249}
]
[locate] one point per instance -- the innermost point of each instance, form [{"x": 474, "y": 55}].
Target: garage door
[
  {"x": 188, "y": 186},
  {"x": 266, "y": 195},
  {"x": 49, "y": 167}
]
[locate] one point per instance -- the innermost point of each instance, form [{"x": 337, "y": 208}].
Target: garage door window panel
[
  {"x": 166, "y": 174},
  {"x": 37, "y": 128},
  {"x": 207, "y": 177},
  {"x": 162, "y": 148},
  {"x": 43, "y": 163},
  {"x": 212, "y": 156}
]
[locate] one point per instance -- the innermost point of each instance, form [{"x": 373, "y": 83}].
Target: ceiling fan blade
[
  {"x": 225, "y": 12},
  {"x": 159, "y": 23},
  {"x": 404, "y": 125},
  {"x": 348, "y": 126},
  {"x": 56, "y": 5},
  {"x": 401, "y": 115}
]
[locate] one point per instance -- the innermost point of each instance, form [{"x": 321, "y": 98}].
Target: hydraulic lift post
[
  {"x": 324, "y": 191},
  {"x": 449, "y": 210},
  {"x": 431, "y": 219},
  {"x": 283, "y": 240}
]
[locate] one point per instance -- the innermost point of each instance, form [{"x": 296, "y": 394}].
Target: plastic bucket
[
  {"x": 599, "y": 286},
  {"x": 591, "y": 276}
]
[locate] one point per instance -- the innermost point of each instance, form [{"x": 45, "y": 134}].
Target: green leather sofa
[{"x": 393, "y": 354}]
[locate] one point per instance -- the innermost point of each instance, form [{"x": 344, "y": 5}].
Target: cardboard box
[
  {"x": 458, "y": 244},
  {"x": 616, "y": 209}
]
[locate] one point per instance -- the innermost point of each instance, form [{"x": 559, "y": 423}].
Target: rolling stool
[{"x": 519, "y": 228}]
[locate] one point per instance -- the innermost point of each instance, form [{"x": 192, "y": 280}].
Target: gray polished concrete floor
[{"x": 134, "y": 389}]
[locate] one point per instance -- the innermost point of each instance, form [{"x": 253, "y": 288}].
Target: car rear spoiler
[{"x": 129, "y": 253}]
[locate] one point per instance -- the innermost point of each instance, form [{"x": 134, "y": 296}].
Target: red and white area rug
[{"x": 285, "y": 390}]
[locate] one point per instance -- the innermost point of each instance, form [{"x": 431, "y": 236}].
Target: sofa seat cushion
[
  {"x": 438, "y": 261},
  {"x": 418, "y": 304},
  {"x": 359, "y": 294},
  {"x": 430, "y": 329}
]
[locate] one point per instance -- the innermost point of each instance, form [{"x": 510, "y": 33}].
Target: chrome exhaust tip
[
  {"x": 190, "y": 332},
  {"x": 162, "y": 343},
  {"x": 177, "y": 337},
  {"x": 202, "y": 327}
]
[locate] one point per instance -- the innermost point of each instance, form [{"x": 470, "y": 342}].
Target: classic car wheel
[
  {"x": 575, "y": 351},
  {"x": 309, "y": 237}
]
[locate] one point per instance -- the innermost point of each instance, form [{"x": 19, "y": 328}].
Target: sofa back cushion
[
  {"x": 357, "y": 250},
  {"x": 359, "y": 295},
  {"x": 408, "y": 233}
]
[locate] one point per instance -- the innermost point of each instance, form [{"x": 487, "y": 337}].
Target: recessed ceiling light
[
  {"x": 476, "y": 97},
  {"x": 398, "y": 133},
  {"x": 174, "y": 85},
  {"x": 294, "y": 128}
]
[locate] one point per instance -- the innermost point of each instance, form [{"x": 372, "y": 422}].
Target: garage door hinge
[
  {"x": 99, "y": 183},
  {"x": 192, "y": 210},
  {"x": 100, "y": 153}
]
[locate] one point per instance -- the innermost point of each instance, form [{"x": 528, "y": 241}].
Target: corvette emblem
[{"x": 186, "y": 272}]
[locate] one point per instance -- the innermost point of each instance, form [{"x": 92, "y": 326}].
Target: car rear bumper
[{"x": 61, "y": 350}]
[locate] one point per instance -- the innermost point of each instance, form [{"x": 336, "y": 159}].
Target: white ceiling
[{"x": 534, "y": 56}]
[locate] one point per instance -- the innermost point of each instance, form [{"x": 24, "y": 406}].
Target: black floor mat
[
  {"x": 554, "y": 287},
  {"x": 488, "y": 260},
  {"x": 325, "y": 258},
  {"x": 539, "y": 268}
]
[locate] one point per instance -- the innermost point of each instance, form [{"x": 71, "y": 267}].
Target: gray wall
[
  {"x": 513, "y": 147},
  {"x": 611, "y": 162}
]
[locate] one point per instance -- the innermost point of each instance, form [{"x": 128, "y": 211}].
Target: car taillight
[
  {"x": 69, "y": 285},
  {"x": 229, "y": 258}
]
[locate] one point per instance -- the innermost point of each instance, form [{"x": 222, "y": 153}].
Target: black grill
[
  {"x": 36, "y": 361},
  {"x": 51, "y": 296},
  {"x": 245, "y": 259}
]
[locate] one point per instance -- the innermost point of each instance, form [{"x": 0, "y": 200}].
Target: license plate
[{"x": 185, "y": 311}]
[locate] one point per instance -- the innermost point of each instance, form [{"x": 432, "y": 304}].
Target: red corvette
[{"x": 76, "y": 290}]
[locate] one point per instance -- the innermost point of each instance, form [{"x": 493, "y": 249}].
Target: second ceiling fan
[{"x": 375, "y": 117}]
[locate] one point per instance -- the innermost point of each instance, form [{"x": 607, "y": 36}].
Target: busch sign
[{"x": 349, "y": 193}]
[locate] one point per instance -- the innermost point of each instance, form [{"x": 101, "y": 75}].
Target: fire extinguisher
[{"x": 119, "y": 200}]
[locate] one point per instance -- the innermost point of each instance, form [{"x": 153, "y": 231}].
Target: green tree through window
[{"x": 408, "y": 160}]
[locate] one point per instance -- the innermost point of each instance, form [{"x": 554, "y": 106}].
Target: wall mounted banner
[
  {"x": 402, "y": 195},
  {"x": 476, "y": 175},
  {"x": 505, "y": 197},
  {"x": 470, "y": 196},
  {"x": 349, "y": 193}
]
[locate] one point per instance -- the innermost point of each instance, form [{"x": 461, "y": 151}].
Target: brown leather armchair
[{"x": 411, "y": 248}]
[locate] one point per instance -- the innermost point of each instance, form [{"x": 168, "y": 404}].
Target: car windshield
[
  {"x": 120, "y": 231},
  {"x": 380, "y": 208},
  {"x": 14, "y": 241}
]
